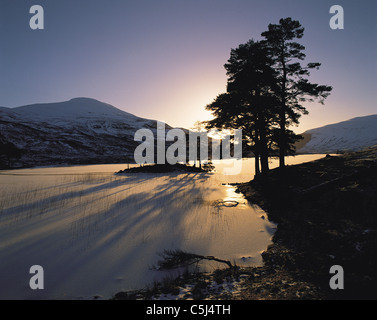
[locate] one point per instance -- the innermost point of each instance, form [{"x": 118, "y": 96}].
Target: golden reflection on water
[{"x": 93, "y": 226}]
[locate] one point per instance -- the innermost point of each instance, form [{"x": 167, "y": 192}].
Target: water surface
[{"x": 96, "y": 233}]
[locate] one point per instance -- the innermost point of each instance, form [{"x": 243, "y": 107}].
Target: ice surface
[{"x": 96, "y": 233}]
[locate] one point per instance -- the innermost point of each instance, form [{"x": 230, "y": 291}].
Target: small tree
[
  {"x": 198, "y": 127},
  {"x": 8, "y": 153}
]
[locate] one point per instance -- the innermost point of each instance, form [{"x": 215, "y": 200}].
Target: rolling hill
[
  {"x": 78, "y": 131},
  {"x": 351, "y": 135}
]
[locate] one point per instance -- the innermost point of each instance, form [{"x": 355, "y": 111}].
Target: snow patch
[{"x": 352, "y": 135}]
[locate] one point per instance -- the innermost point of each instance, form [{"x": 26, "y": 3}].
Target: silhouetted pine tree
[
  {"x": 267, "y": 86},
  {"x": 248, "y": 103},
  {"x": 292, "y": 86}
]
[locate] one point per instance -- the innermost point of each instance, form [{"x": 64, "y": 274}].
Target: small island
[{"x": 165, "y": 168}]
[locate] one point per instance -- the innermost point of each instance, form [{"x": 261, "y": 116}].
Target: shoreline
[
  {"x": 91, "y": 163},
  {"x": 324, "y": 211}
]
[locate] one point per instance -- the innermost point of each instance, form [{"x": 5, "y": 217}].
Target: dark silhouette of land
[
  {"x": 326, "y": 212},
  {"x": 164, "y": 168}
]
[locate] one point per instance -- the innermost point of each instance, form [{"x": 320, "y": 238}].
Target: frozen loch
[{"x": 96, "y": 233}]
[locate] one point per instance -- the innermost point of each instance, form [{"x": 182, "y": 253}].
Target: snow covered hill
[
  {"x": 352, "y": 135},
  {"x": 81, "y": 130},
  {"x": 85, "y": 131}
]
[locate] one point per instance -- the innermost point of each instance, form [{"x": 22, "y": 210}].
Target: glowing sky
[{"x": 163, "y": 59}]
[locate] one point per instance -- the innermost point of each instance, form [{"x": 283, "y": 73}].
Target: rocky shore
[{"x": 326, "y": 211}]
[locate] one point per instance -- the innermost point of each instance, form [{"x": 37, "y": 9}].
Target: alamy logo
[
  {"x": 337, "y": 20},
  {"x": 337, "y": 280},
  {"x": 37, "y": 20},
  {"x": 37, "y": 280},
  {"x": 177, "y": 151}
]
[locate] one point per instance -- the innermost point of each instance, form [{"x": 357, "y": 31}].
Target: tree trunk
[
  {"x": 263, "y": 148},
  {"x": 264, "y": 157},
  {"x": 257, "y": 151},
  {"x": 282, "y": 138},
  {"x": 257, "y": 169},
  {"x": 262, "y": 138}
]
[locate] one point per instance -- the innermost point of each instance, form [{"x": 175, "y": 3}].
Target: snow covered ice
[{"x": 96, "y": 233}]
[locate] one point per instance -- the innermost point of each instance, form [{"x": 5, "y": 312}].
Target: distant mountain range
[
  {"x": 87, "y": 131},
  {"x": 352, "y": 135},
  {"x": 78, "y": 131}
]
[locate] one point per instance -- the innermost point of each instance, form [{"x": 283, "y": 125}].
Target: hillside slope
[
  {"x": 78, "y": 131},
  {"x": 352, "y": 135}
]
